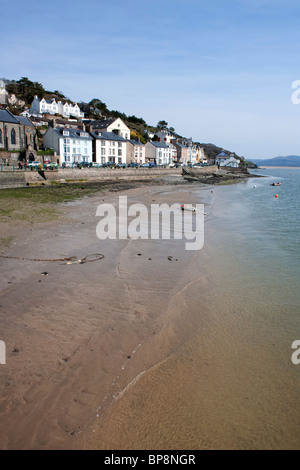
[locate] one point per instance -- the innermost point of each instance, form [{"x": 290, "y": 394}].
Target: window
[
  {"x": 102, "y": 151},
  {"x": 119, "y": 144},
  {"x": 13, "y": 137},
  {"x": 120, "y": 152},
  {"x": 103, "y": 143},
  {"x": 0, "y": 136}
]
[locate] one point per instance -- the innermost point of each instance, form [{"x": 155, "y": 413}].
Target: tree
[
  {"x": 26, "y": 89},
  {"x": 59, "y": 94},
  {"x": 162, "y": 125},
  {"x": 172, "y": 130},
  {"x": 98, "y": 104}
]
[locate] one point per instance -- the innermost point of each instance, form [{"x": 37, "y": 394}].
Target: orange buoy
[{"x": 276, "y": 195}]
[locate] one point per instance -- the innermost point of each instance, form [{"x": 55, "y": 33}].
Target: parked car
[
  {"x": 109, "y": 165},
  {"x": 33, "y": 164},
  {"x": 51, "y": 165},
  {"x": 84, "y": 165},
  {"x": 120, "y": 165},
  {"x": 96, "y": 165},
  {"x": 144, "y": 165},
  {"x": 133, "y": 165}
]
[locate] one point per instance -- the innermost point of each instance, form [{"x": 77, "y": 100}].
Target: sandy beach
[
  {"x": 78, "y": 334},
  {"x": 141, "y": 344}
]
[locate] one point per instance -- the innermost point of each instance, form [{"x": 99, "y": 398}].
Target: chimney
[
  {"x": 88, "y": 128},
  {"x": 52, "y": 123}
]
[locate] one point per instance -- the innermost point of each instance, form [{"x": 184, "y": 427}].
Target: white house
[
  {"x": 115, "y": 125},
  {"x": 165, "y": 136},
  {"x": 71, "y": 145},
  {"x": 192, "y": 149},
  {"x": 135, "y": 152},
  {"x": 160, "y": 153},
  {"x": 108, "y": 147},
  {"x": 66, "y": 108},
  {"x": 227, "y": 160}
]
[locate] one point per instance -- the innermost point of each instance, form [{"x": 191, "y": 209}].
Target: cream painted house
[
  {"x": 108, "y": 147},
  {"x": 135, "y": 152},
  {"x": 115, "y": 125}
]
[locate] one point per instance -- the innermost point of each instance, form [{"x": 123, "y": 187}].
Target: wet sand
[
  {"x": 77, "y": 335},
  {"x": 149, "y": 347}
]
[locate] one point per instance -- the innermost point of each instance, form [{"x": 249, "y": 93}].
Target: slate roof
[
  {"x": 102, "y": 124},
  {"x": 73, "y": 133},
  {"x": 7, "y": 116},
  {"x": 222, "y": 155},
  {"x": 177, "y": 144},
  {"x": 159, "y": 145},
  {"x": 135, "y": 142},
  {"x": 24, "y": 120},
  {"x": 107, "y": 136}
]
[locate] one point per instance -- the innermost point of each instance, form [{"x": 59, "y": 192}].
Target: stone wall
[
  {"x": 12, "y": 179},
  {"x": 17, "y": 178}
]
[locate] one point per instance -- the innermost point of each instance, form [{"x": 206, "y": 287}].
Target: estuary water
[{"x": 228, "y": 382}]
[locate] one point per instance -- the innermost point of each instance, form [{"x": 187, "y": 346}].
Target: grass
[
  {"x": 5, "y": 242},
  {"x": 38, "y": 204}
]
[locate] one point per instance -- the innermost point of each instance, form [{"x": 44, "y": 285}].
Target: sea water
[{"x": 229, "y": 382}]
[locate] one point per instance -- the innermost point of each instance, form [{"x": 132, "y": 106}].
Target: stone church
[{"x": 18, "y": 138}]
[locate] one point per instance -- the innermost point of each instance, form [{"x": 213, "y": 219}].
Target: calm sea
[{"x": 230, "y": 382}]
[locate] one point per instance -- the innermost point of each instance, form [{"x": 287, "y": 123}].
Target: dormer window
[{"x": 65, "y": 132}]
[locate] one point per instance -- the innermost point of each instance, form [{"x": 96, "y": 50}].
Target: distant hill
[{"x": 290, "y": 160}]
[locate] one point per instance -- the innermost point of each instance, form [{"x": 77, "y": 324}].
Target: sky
[{"x": 218, "y": 71}]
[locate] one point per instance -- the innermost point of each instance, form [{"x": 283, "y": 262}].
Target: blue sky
[{"x": 217, "y": 71}]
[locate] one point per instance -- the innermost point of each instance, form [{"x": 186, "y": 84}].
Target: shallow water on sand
[{"x": 228, "y": 381}]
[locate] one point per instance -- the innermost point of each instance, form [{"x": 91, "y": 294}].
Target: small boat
[
  {"x": 185, "y": 207},
  {"x": 275, "y": 184}
]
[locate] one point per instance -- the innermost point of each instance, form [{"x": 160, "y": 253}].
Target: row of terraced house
[{"x": 108, "y": 140}]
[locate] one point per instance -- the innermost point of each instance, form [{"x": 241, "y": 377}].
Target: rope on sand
[{"x": 69, "y": 260}]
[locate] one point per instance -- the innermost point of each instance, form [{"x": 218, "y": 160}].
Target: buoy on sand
[{"x": 184, "y": 207}]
